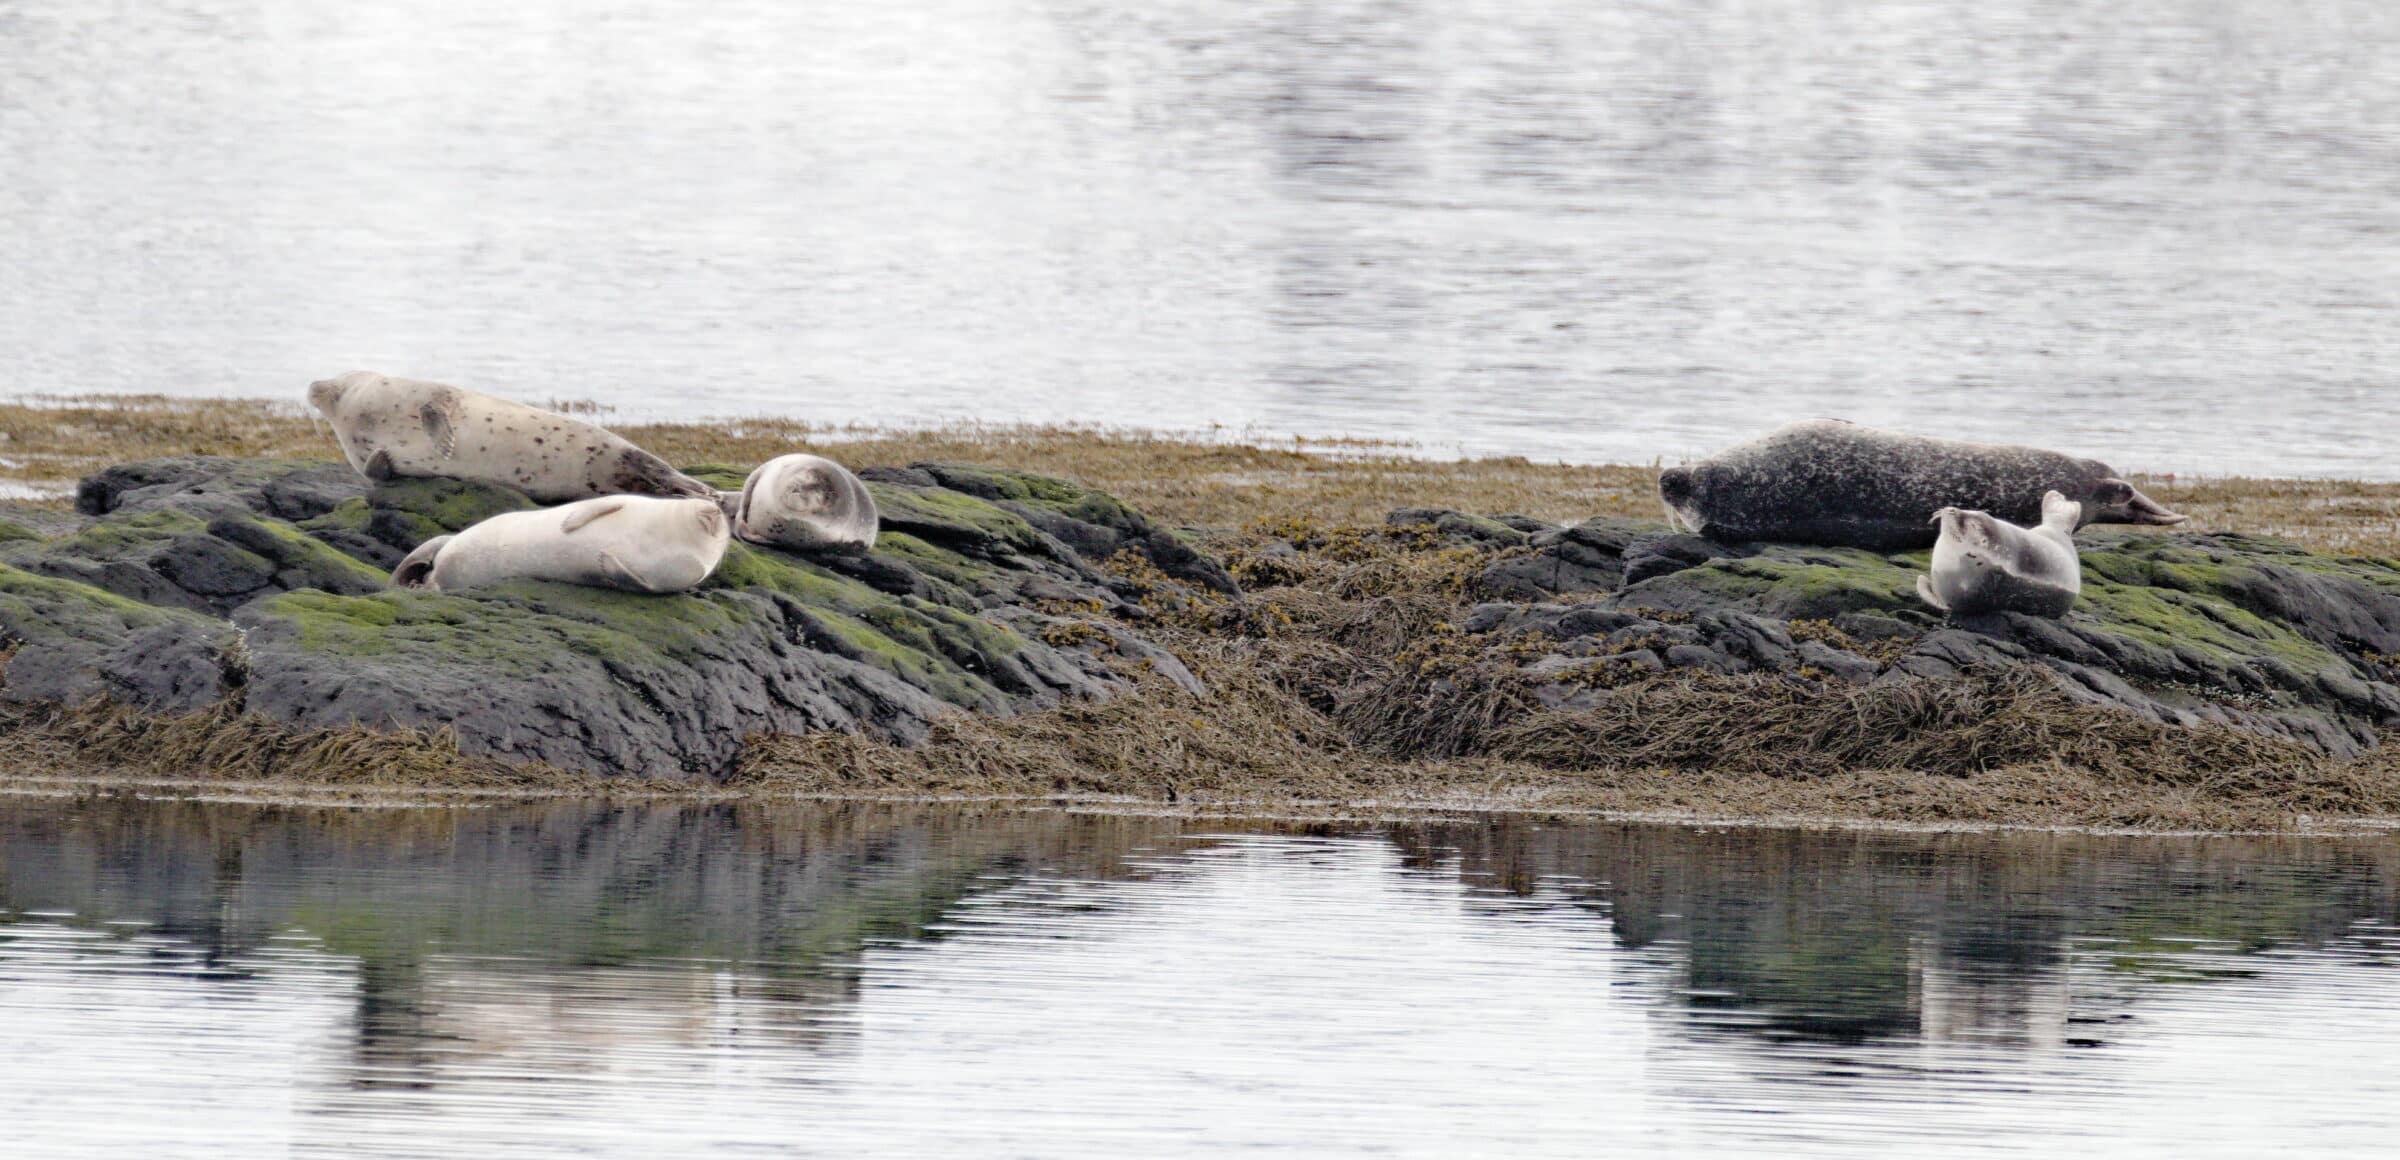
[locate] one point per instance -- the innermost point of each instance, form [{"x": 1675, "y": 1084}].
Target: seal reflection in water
[
  {"x": 1835, "y": 483},
  {"x": 636, "y": 543},
  {"x": 1983, "y": 565},
  {"x": 804, "y": 501},
  {"x": 406, "y": 427}
]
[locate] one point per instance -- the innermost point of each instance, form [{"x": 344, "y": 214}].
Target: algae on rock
[{"x": 265, "y": 582}]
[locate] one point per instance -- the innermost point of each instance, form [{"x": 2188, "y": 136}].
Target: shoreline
[
  {"x": 305, "y": 795},
  {"x": 1354, "y": 627}
]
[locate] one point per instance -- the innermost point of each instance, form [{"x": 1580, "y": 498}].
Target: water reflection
[{"x": 583, "y": 976}]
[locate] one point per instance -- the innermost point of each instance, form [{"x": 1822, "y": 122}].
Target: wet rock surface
[
  {"x": 2180, "y": 628},
  {"x": 192, "y": 582}
]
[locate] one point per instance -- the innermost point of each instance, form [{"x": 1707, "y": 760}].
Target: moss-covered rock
[
  {"x": 72, "y": 642},
  {"x": 143, "y": 598},
  {"x": 2178, "y": 627}
]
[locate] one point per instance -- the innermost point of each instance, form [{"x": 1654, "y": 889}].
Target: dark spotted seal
[
  {"x": 1835, "y": 483},
  {"x": 404, "y": 427}
]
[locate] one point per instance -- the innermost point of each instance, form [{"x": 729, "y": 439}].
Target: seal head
[{"x": 805, "y": 502}]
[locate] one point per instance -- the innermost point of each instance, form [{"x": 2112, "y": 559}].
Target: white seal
[
  {"x": 1982, "y": 564},
  {"x": 807, "y": 502},
  {"x": 406, "y": 427},
  {"x": 634, "y": 542}
]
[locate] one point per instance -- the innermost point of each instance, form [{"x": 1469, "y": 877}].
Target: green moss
[
  {"x": 940, "y": 649},
  {"x": 935, "y": 514},
  {"x": 723, "y": 477},
  {"x": 13, "y": 531},
  {"x": 351, "y": 515},
  {"x": 1818, "y": 585},
  {"x": 127, "y": 536},
  {"x": 453, "y": 504},
  {"x": 953, "y": 576},
  {"x": 317, "y": 562},
  {"x": 35, "y": 608},
  {"x": 1026, "y": 487}
]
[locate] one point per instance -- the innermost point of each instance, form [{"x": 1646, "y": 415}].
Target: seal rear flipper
[
  {"x": 581, "y": 516},
  {"x": 440, "y": 417},
  {"x": 641, "y": 473},
  {"x": 378, "y": 467},
  {"x": 1925, "y": 593},
  {"x": 620, "y": 576}
]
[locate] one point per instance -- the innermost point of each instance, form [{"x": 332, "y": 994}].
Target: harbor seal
[
  {"x": 804, "y": 501},
  {"x": 1982, "y": 564},
  {"x": 406, "y": 427},
  {"x": 635, "y": 542},
  {"x": 1836, "y": 483}
]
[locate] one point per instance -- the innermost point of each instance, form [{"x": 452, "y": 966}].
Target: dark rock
[
  {"x": 203, "y": 580},
  {"x": 1846, "y": 666},
  {"x": 2176, "y": 627},
  {"x": 75, "y": 642},
  {"x": 1488, "y": 531}
]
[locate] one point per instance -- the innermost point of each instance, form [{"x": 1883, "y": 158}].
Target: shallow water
[
  {"x": 214, "y": 979},
  {"x": 2159, "y": 232}
]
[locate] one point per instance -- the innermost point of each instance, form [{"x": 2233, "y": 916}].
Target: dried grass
[{"x": 1336, "y": 680}]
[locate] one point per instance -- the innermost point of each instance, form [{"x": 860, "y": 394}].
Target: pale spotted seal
[
  {"x": 1982, "y": 564},
  {"x": 1830, "y": 482},
  {"x": 634, "y": 542},
  {"x": 804, "y": 501},
  {"x": 405, "y": 427}
]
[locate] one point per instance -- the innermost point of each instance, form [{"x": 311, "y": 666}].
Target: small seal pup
[
  {"x": 1836, "y": 483},
  {"x": 1982, "y": 564},
  {"x": 804, "y": 501},
  {"x": 406, "y": 427},
  {"x": 635, "y": 542}
]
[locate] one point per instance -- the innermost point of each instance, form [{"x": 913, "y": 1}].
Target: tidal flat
[{"x": 1400, "y": 636}]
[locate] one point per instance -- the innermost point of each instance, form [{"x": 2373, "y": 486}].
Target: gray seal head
[
  {"x": 805, "y": 502},
  {"x": 1985, "y": 565},
  {"x": 1835, "y": 483}
]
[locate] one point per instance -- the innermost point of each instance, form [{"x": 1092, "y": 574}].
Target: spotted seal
[
  {"x": 1982, "y": 564},
  {"x": 406, "y": 427},
  {"x": 1836, "y": 483},
  {"x": 807, "y": 502},
  {"x": 634, "y": 542}
]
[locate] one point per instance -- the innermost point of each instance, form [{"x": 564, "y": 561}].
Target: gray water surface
[
  {"x": 182, "y": 978},
  {"x": 2160, "y": 232}
]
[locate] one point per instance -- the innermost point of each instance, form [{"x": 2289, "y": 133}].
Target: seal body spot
[
  {"x": 630, "y": 542},
  {"x": 1829, "y": 482},
  {"x": 412, "y": 428},
  {"x": 1984, "y": 565},
  {"x": 805, "y": 502}
]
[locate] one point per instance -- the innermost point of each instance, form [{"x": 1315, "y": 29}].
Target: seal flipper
[
  {"x": 440, "y": 417},
  {"x": 378, "y": 466},
  {"x": 417, "y": 570},
  {"x": 623, "y": 577},
  {"x": 1925, "y": 593},
  {"x": 642, "y": 473},
  {"x": 577, "y": 519}
]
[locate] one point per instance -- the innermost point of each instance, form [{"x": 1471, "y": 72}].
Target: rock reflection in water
[{"x": 604, "y": 977}]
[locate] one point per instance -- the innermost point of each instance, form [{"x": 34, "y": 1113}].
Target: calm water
[
  {"x": 193, "y": 979},
  {"x": 2163, "y": 232}
]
